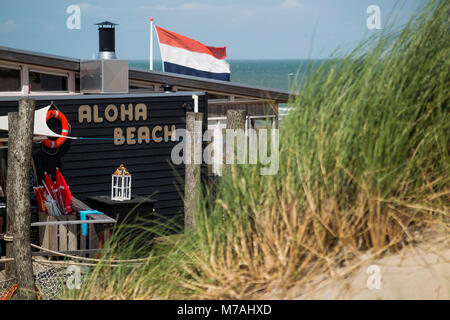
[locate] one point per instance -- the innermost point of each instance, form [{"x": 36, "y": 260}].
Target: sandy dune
[{"x": 420, "y": 272}]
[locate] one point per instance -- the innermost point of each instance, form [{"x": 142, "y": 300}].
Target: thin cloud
[
  {"x": 290, "y": 4},
  {"x": 96, "y": 11},
  {"x": 160, "y": 7},
  {"x": 87, "y": 6},
  {"x": 203, "y": 6},
  {"x": 7, "y": 26},
  {"x": 189, "y": 6}
]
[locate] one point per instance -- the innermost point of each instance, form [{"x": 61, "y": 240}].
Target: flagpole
[
  {"x": 159, "y": 43},
  {"x": 151, "y": 43}
]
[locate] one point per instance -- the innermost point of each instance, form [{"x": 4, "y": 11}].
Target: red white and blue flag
[{"x": 183, "y": 55}]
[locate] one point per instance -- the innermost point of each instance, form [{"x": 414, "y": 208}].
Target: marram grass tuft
[{"x": 364, "y": 162}]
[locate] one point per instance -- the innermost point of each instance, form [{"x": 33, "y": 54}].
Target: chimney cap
[{"x": 106, "y": 23}]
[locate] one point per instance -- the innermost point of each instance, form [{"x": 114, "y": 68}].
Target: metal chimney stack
[
  {"x": 105, "y": 74},
  {"x": 106, "y": 40}
]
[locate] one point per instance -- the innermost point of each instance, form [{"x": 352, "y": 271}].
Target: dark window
[
  {"x": 9, "y": 79},
  {"x": 131, "y": 86},
  {"x": 47, "y": 82},
  {"x": 216, "y": 96},
  {"x": 77, "y": 84},
  {"x": 138, "y": 89}
]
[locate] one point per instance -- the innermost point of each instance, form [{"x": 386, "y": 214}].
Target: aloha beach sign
[{"x": 113, "y": 113}]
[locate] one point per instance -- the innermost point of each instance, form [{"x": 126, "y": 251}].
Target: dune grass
[{"x": 364, "y": 162}]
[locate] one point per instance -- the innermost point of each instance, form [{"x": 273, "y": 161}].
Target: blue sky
[{"x": 250, "y": 29}]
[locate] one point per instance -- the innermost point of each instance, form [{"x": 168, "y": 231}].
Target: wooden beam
[
  {"x": 239, "y": 101},
  {"x": 79, "y": 205},
  {"x": 96, "y": 220},
  {"x": 40, "y": 59}
]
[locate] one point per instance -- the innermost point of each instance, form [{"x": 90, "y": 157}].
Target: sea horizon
[{"x": 267, "y": 73}]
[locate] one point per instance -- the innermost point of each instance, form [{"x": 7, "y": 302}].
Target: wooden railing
[{"x": 64, "y": 234}]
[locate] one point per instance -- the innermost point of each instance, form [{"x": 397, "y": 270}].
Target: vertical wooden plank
[
  {"x": 72, "y": 236},
  {"x": 83, "y": 243},
  {"x": 24, "y": 77},
  {"x": 62, "y": 234},
  {"x": 93, "y": 237},
  {"x": 71, "y": 82},
  {"x": 53, "y": 235},
  {"x": 43, "y": 231},
  {"x": 107, "y": 234}
]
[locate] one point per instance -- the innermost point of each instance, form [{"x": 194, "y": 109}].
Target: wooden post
[
  {"x": 20, "y": 138},
  {"x": 235, "y": 120},
  {"x": 192, "y": 167}
]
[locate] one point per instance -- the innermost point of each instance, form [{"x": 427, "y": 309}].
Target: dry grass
[{"x": 363, "y": 164}]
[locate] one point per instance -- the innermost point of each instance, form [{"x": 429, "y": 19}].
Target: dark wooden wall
[{"x": 87, "y": 165}]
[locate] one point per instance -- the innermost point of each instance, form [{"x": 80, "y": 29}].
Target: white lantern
[{"x": 121, "y": 184}]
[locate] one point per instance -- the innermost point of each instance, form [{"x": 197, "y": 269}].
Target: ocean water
[
  {"x": 272, "y": 74},
  {"x": 275, "y": 74}
]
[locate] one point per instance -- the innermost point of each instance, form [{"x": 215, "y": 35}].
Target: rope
[
  {"x": 79, "y": 263},
  {"x": 68, "y": 262},
  {"x": 76, "y": 257},
  {"x": 83, "y": 258},
  {"x": 8, "y": 238}
]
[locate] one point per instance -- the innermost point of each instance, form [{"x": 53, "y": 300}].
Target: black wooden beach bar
[{"x": 136, "y": 130}]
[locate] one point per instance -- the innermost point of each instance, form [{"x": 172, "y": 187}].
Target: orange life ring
[{"x": 65, "y": 129}]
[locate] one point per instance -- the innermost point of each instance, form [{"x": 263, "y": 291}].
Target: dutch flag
[{"x": 183, "y": 55}]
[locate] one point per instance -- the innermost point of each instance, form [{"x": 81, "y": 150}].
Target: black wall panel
[{"x": 88, "y": 164}]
